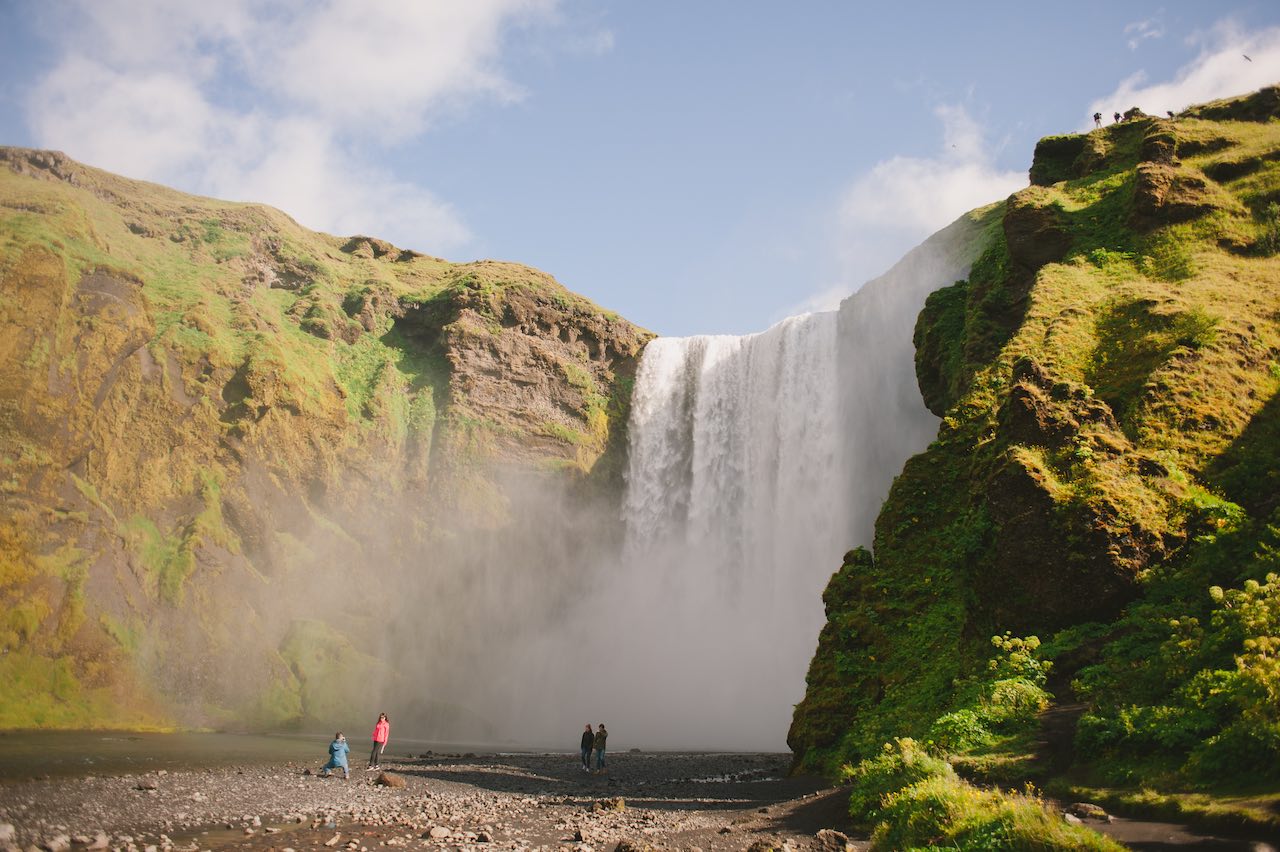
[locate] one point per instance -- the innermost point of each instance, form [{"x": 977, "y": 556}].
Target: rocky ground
[
  {"x": 475, "y": 803},
  {"x": 516, "y": 802}
]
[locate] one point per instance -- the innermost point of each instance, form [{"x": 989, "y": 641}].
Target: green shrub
[
  {"x": 900, "y": 763},
  {"x": 960, "y": 730},
  {"x": 948, "y": 813}
]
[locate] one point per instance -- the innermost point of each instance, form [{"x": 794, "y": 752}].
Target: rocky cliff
[
  {"x": 1104, "y": 480},
  {"x": 223, "y": 438}
]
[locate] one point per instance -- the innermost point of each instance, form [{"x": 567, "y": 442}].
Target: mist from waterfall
[{"x": 754, "y": 464}]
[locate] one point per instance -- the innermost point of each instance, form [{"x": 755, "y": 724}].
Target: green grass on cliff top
[{"x": 1176, "y": 327}]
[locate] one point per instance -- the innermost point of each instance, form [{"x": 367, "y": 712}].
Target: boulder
[
  {"x": 387, "y": 779},
  {"x": 829, "y": 840},
  {"x": 1088, "y": 810}
]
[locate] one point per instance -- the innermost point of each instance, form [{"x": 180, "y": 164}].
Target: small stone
[
  {"x": 1088, "y": 810},
  {"x": 57, "y": 843},
  {"x": 628, "y": 845},
  {"x": 148, "y": 784},
  {"x": 439, "y": 832},
  {"x": 484, "y": 837},
  {"x": 387, "y": 779},
  {"x": 333, "y": 841},
  {"x": 7, "y": 832},
  {"x": 828, "y": 840},
  {"x": 1072, "y": 819}
]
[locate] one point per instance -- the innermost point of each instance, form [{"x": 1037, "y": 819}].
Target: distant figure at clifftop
[
  {"x": 1117, "y": 117},
  {"x": 1097, "y": 119}
]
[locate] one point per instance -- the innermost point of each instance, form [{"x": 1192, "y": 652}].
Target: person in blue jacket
[{"x": 337, "y": 757}]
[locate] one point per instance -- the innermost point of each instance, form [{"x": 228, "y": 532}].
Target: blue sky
[{"x": 699, "y": 167}]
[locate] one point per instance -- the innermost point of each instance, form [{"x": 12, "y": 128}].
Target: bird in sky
[{"x": 1246, "y": 56}]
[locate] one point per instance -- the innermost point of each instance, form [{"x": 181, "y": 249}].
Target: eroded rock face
[
  {"x": 1035, "y": 231},
  {"x": 1034, "y": 582},
  {"x": 1043, "y": 411},
  {"x": 1163, "y": 194},
  {"x": 536, "y": 364},
  {"x": 236, "y": 405}
]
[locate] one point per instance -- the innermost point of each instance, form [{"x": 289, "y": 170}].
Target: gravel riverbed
[{"x": 707, "y": 802}]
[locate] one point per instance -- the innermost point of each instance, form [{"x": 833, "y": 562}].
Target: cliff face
[
  {"x": 1107, "y": 378},
  {"x": 205, "y": 409}
]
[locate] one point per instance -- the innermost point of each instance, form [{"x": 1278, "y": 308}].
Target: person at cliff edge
[
  {"x": 381, "y": 732},
  {"x": 588, "y": 743},
  {"x": 598, "y": 741}
]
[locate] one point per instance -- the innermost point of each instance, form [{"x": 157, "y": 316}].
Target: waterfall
[{"x": 755, "y": 463}]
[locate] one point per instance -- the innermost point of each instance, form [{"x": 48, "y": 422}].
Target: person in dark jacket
[
  {"x": 598, "y": 742},
  {"x": 588, "y": 743}
]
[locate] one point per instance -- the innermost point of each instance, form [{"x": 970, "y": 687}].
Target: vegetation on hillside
[
  {"x": 201, "y": 399},
  {"x": 1105, "y": 478}
]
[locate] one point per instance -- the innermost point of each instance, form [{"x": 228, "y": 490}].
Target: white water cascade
[{"x": 755, "y": 463}]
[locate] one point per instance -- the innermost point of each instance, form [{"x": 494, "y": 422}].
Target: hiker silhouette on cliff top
[{"x": 1097, "y": 119}]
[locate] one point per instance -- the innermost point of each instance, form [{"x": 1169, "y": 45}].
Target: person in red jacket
[{"x": 381, "y": 732}]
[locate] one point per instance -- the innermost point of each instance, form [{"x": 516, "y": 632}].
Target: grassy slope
[
  {"x": 1108, "y": 380},
  {"x": 176, "y": 368}
]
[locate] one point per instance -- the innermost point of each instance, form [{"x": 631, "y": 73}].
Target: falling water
[{"x": 755, "y": 463}]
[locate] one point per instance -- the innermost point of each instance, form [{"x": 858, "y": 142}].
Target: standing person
[
  {"x": 598, "y": 742},
  {"x": 337, "y": 757},
  {"x": 1097, "y": 119},
  {"x": 381, "y": 732},
  {"x": 588, "y": 743}
]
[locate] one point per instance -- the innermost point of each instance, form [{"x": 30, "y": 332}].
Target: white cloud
[
  {"x": 382, "y": 66},
  {"x": 1140, "y": 31},
  {"x": 270, "y": 100},
  {"x": 902, "y": 200},
  {"x": 1220, "y": 70}
]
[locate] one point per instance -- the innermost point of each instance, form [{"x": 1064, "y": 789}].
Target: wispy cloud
[
  {"x": 1140, "y": 31},
  {"x": 901, "y": 201},
  {"x": 279, "y": 101},
  {"x": 1219, "y": 70}
]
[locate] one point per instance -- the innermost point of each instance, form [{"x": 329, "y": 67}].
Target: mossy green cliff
[
  {"x": 204, "y": 405},
  {"x": 1105, "y": 477}
]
